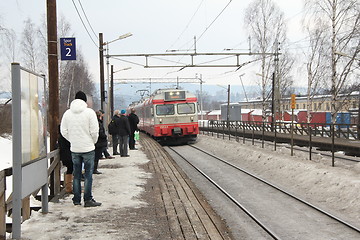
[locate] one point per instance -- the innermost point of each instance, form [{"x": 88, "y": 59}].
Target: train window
[
  {"x": 166, "y": 109},
  {"x": 185, "y": 108}
]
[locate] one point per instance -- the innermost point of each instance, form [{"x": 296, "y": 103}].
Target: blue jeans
[{"x": 88, "y": 160}]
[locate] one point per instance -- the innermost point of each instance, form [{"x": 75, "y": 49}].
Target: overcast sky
[{"x": 157, "y": 26}]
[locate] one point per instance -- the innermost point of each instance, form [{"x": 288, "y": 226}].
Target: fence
[
  {"x": 6, "y": 204},
  {"x": 332, "y": 137}
]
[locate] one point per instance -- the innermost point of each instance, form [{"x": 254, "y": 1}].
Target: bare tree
[
  {"x": 266, "y": 26},
  {"x": 8, "y": 49},
  {"x": 316, "y": 65},
  {"x": 29, "y": 46},
  {"x": 340, "y": 20}
]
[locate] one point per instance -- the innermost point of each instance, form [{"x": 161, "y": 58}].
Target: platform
[{"x": 144, "y": 196}]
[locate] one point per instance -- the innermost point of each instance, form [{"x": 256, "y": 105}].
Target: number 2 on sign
[{"x": 68, "y": 52}]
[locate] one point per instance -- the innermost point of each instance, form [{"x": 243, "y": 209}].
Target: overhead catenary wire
[
  {"x": 187, "y": 25},
  {"x": 84, "y": 24},
  {"x": 208, "y": 27},
  {"x": 88, "y": 20}
]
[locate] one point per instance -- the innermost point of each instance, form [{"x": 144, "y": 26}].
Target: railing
[
  {"x": 6, "y": 204},
  {"x": 346, "y": 131},
  {"x": 346, "y": 135}
]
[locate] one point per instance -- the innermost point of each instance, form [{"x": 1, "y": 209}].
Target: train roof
[{"x": 166, "y": 93}]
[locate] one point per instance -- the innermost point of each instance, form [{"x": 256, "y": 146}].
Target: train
[{"x": 169, "y": 116}]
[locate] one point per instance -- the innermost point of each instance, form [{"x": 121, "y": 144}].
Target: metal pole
[
  {"x": 358, "y": 122},
  {"x": 332, "y": 144},
  {"x": 102, "y": 84},
  {"x": 228, "y": 106},
  {"x": 17, "y": 155},
  {"x": 112, "y": 91},
  {"x": 273, "y": 101},
  {"x": 201, "y": 99},
  {"x": 292, "y": 131},
  {"x": 107, "y": 103}
]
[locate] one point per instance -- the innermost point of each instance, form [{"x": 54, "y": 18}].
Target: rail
[{"x": 6, "y": 204}]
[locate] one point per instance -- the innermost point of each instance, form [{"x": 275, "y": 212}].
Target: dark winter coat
[
  {"x": 122, "y": 125},
  {"x": 133, "y": 120},
  {"x": 64, "y": 147},
  {"x": 102, "y": 139}
]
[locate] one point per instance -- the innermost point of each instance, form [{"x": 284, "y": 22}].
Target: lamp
[
  {"x": 107, "y": 109},
  {"x": 112, "y": 86}
]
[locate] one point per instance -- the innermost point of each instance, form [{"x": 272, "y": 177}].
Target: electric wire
[
  {"x": 84, "y": 25},
  {"x": 88, "y": 20},
  {"x": 187, "y": 25},
  {"x": 207, "y": 28}
]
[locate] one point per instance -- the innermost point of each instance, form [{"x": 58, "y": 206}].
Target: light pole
[
  {"x": 105, "y": 106},
  {"x": 112, "y": 98},
  {"x": 201, "y": 97},
  {"x": 243, "y": 86}
]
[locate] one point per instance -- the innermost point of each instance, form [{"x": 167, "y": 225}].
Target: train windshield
[
  {"x": 186, "y": 108},
  {"x": 167, "y": 109}
]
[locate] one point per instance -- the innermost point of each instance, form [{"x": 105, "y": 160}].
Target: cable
[
  {"x": 207, "y": 28},
  {"x": 88, "y": 21},
  {"x": 186, "y": 27},
  {"x": 84, "y": 25}
]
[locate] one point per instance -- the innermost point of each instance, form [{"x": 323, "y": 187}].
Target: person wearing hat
[
  {"x": 134, "y": 121},
  {"x": 79, "y": 125},
  {"x": 105, "y": 151},
  {"x": 123, "y": 132}
]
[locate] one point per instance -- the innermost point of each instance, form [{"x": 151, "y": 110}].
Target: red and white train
[{"x": 169, "y": 114}]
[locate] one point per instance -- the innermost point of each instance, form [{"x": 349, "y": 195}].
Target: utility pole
[
  {"x": 277, "y": 81},
  {"x": 228, "y": 107},
  {"x": 273, "y": 111},
  {"x": 53, "y": 86},
  {"x": 201, "y": 99},
  {"x": 102, "y": 82},
  {"x": 112, "y": 91}
]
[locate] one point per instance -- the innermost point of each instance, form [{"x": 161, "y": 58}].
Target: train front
[{"x": 175, "y": 116}]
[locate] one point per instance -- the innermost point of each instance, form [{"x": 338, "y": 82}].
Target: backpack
[{"x": 112, "y": 127}]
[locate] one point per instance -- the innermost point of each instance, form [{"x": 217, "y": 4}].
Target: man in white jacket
[{"x": 79, "y": 125}]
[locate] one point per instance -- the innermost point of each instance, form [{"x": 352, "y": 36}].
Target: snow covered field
[{"x": 335, "y": 189}]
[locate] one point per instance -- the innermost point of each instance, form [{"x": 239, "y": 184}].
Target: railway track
[{"x": 280, "y": 214}]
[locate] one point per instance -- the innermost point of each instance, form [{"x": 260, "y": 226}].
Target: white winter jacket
[{"x": 79, "y": 125}]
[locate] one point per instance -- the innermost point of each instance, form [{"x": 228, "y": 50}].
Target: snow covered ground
[
  {"x": 334, "y": 188},
  {"x": 117, "y": 188}
]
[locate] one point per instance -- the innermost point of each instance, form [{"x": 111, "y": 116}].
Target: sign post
[
  {"x": 293, "y": 104},
  {"x": 68, "y": 48}
]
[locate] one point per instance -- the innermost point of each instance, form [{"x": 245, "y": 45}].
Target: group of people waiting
[
  {"x": 83, "y": 140},
  {"x": 124, "y": 132}
]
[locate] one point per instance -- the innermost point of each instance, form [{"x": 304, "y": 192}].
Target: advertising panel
[{"x": 33, "y": 117}]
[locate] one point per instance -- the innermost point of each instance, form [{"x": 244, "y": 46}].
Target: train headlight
[
  {"x": 192, "y": 119},
  {"x": 160, "y": 120}
]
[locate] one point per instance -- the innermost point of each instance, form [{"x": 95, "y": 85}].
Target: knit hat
[
  {"x": 123, "y": 111},
  {"x": 81, "y": 95}
]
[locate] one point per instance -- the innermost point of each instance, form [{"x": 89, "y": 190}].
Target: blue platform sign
[{"x": 68, "y": 48}]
